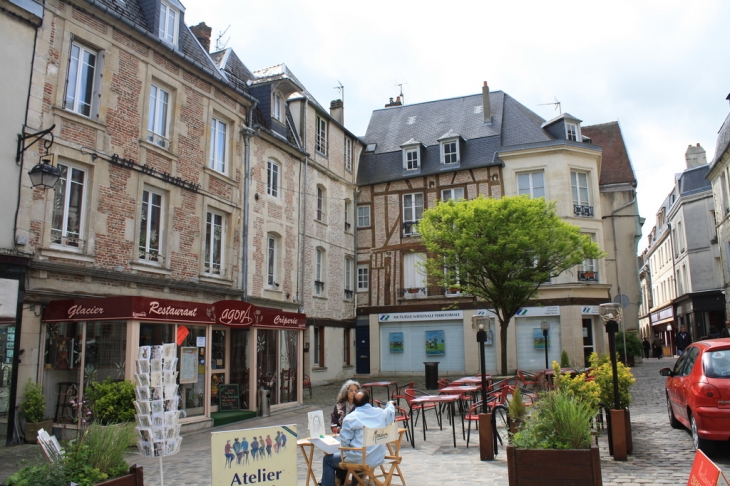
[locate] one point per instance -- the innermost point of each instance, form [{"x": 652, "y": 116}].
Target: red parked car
[{"x": 698, "y": 391}]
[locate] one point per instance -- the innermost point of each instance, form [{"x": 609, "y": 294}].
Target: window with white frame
[
  {"x": 531, "y": 183},
  {"x": 589, "y": 265},
  {"x": 414, "y": 272},
  {"x": 272, "y": 258},
  {"x": 363, "y": 216},
  {"x": 348, "y": 225},
  {"x": 680, "y": 234},
  {"x": 453, "y": 281},
  {"x": 450, "y": 151},
  {"x": 320, "y": 142},
  {"x": 410, "y": 158},
  {"x": 579, "y": 187},
  {"x": 150, "y": 226},
  {"x": 319, "y": 271},
  {"x": 168, "y": 28},
  {"x": 83, "y": 84},
  {"x": 277, "y": 106},
  {"x": 218, "y": 141},
  {"x": 272, "y": 178},
  {"x": 572, "y": 132},
  {"x": 348, "y": 278},
  {"x": 68, "y": 208},
  {"x": 321, "y": 204},
  {"x": 214, "y": 238},
  {"x": 455, "y": 193},
  {"x": 363, "y": 277},
  {"x": 412, "y": 212},
  {"x": 348, "y": 154},
  {"x": 157, "y": 118},
  {"x": 318, "y": 351}
]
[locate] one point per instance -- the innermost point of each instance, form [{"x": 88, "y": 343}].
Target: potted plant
[
  {"x": 96, "y": 457},
  {"x": 633, "y": 345},
  {"x": 555, "y": 442},
  {"x": 619, "y": 420},
  {"x": 33, "y": 408},
  {"x": 111, "y": 402},
  {"x": 516, "y": 411}
]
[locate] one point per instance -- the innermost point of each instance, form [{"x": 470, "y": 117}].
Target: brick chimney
[
  {"x": 337, "y": 111},
  {"x": 392, "y": 103},
  {"x": 202, "y": 33},
  {"x": 695, "y": 156},
  {"x": 487, "y": 105}
]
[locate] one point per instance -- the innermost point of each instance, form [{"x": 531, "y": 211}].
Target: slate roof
[
  {"x": 512, "y": 125},
  {"x": 723, "y": 140},
  {"x": 694, "y": 180},
  {"x": 616, "y": 166},
  {"x": 130, "y": 10}
]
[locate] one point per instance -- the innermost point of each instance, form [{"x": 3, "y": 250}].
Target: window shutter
[{"x": 68, "y": 68}]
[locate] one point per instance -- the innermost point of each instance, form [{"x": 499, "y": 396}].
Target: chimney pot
[
  {"x": 202, "y": 33},
  {"x": 337, "y": 111},
  {"x": 487, "y": 107}
]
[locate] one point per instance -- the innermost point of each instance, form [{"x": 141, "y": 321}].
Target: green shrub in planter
[
  {"x": 558, "y": 421},
  {"x": 33, "y": 405},
  {"x": 603, "y": 375},
  {"x": 633, "y": 344},
  {"x": 111, "y": 402}
]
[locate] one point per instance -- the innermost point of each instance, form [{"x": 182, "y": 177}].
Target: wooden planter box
[
  {"x": 134, "y": 478},
  {"x": 554, "y": 467}
]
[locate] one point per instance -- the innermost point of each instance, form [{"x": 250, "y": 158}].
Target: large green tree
[{"x": 501, "y": 250}]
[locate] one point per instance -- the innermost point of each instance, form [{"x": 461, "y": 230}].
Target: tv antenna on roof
[
  {"x": 341, "y": 89},
  {"x": 219, "y": 44},
  {"x": 557, "y": 105},
  {"x": 400, "y": 86}
]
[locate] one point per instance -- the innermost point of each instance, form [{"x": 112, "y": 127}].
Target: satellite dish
[{"x": 622, "y": 299}]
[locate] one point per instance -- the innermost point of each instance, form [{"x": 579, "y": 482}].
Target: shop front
[
  {"x": 662, "y": 324},
  {"x": 227, "y": 342}
]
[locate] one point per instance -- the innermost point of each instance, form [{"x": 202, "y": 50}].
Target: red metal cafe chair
[{"x": 399, "y": 392}]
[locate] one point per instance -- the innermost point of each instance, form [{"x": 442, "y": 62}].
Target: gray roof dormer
[{"x": 564, "y": 127}]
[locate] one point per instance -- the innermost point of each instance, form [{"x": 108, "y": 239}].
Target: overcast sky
[{"x": 661, "y": 68}]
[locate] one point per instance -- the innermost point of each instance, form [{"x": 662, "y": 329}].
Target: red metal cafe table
[
  {"x": 386, "y": 384},
  {"x": 436, "y": 399}
]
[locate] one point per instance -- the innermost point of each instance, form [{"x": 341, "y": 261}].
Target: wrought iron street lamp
[
  {"x": 545, "y": 326},
  {"x": 482, "y": 325},
  {"x": 611, "y": 314},
  {"x": 44, "y": 175}
]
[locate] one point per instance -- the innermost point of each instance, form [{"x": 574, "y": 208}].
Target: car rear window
[{"x": 717, "y": 363}]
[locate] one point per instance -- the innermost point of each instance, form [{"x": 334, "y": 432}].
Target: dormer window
[
  {"x": 168, "y": 23},
  {"x": 572, "y": 132},
  {"x": 411, "y": 155},
  {"x": 450, "y": 148}
]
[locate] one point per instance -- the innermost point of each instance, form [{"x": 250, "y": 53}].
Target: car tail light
[{"x": 705, "y": 390}]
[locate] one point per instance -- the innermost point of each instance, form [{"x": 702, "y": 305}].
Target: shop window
[
  {"x": 267, "y": 359},
  {"x": 240, "y": 366}
]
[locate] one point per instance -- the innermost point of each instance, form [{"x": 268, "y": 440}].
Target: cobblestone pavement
[{"x": 662, "y": 455}]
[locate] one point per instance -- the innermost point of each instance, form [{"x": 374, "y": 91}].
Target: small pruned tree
[{"x": 501, "y": 250}]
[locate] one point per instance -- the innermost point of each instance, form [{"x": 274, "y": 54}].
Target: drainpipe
[
  {"x": 303, "y": 209},
  {"x": 247, "y": 131}
]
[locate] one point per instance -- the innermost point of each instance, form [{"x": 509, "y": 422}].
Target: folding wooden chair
[{"x": 361, "y": 473}]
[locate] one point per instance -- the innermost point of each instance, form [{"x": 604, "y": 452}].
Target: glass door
[
  {"x": 267, "y": 359},
  {"x": 191, "y": 367},
  {"x": 240, "y": 365},
  {"x": 218, "y": 365}
]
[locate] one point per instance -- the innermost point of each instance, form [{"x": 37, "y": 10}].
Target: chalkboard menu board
[{"x": 229, "y": 398}]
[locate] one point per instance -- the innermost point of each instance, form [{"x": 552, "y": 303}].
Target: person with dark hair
[
  {"x": 714, "y": 333},
  {"x": 657, "y": 345},
  {"x": 351, "y": 435},
  {"x": 726, "y": 331},
  {"x": 647, "y": 347},
  {"x": 683, "y": 340}
]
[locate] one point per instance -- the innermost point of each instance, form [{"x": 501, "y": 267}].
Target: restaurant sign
[{"x": 231, "y": 313}]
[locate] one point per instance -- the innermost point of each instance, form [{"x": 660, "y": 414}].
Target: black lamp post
[
  {"x": 612, "y": 313},
  {"x": 545, "y": 326},
  {"x": 482, "y": 324}
]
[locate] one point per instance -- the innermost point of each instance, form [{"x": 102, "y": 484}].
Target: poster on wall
[
  {"x": 188, "y": 365},
  {"x": 249, "y": 456},
  {"x": 435, "y": 343},
  {"x": 490, "y": 338},
  {"x": 539, "y": 339},
  {"x": 396, "y": 342}
]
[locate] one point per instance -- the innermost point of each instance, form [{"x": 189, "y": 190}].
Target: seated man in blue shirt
[{"x": 364, "y": 415}]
